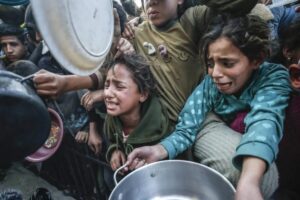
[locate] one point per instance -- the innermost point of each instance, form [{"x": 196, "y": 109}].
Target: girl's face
[
  {"x": 121, "y": 94},
  {"x": 229, "y": 68},
  {"x": 159, "y": 12}
]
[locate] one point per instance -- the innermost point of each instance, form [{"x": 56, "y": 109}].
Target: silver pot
[{"x": 173, "y": 180}]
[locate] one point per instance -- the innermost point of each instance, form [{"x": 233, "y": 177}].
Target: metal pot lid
[{"x": 78, "y": 33}]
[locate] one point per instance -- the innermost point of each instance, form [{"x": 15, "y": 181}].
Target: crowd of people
[{"x": 216, "y": 83}]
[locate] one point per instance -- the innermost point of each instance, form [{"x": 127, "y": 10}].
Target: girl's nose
[
  {"x": 216, "y": 71},
  {"x": 108, "y": 92}
]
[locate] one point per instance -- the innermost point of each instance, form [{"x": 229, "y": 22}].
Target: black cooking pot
[{"x": 24, "y": 119}]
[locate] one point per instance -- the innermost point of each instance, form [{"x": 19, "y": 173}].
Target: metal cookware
[
  {"x": 78, "y": 33},
  {"x": 173, "y": 180},
  {"x": 24, "y": 119},
  {"x": 44, "y": 152}
]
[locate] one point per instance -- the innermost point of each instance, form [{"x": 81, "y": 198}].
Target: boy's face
[
  {"x": 229, "y": 68},
  {"x": 13, "y": 48},
  {"x": 121, "y": 94},
  {"x": 159, "y": 12}
]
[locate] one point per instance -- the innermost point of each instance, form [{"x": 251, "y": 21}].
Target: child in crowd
[
  {"x": 13, "y": 43},
  {"x": 234, "y": 51},
  {"x": 135, "y": 116}
]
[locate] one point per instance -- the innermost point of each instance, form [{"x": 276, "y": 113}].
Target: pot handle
[
  {"x": 117, "y": 171},
  {"x": 27, "y": 77}
]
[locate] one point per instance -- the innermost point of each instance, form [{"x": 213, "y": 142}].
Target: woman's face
[
  {"x": 121, "y": 93},
  {"x": 159, "y": 12},
  {"x": 229, "y": 68}
]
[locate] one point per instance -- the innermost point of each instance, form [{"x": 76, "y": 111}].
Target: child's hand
[
  {"x": 128, "y": 32},
  {"x": 144, "y": 155},
  {"x": 94, "y": 140},
  {"x": 89, "y": 98},
  {"x": 82, "y": 137},
  {"x": 117, "y": 159},
  {"x": 124, "y": 47}
]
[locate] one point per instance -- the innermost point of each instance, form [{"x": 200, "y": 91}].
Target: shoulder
[
  {"x": 271, "y": 75},
  {"x": 273, "y": 70}
]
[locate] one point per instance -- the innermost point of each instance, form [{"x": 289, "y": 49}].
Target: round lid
[{"x": 78, "y": 33}]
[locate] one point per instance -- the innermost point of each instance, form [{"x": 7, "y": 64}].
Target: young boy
[{"x": 12, "y": 41}]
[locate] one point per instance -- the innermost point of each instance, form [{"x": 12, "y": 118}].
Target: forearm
[
  {"x": 252, "y": 171},
  {"x": 250, "y": 180},
  {"x": 75, "y": 82}
]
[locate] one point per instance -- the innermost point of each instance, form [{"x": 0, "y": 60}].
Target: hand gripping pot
[
  {"x": 24, "y": 118},
  {"x": 173, "y": 180},
  {"x": 78, "y": 33}
]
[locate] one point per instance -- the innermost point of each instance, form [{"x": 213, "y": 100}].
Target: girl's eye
[
  {"x": 210, "y": 64},
  {"x": 120, "y": 86},
  {"x": 228, "y": 64}
]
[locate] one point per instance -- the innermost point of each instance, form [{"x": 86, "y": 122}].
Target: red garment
[
  {"x": 288, "y": 160},
  {"x": 238, "y": 123}
]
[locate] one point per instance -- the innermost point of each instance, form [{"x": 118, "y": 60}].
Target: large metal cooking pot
[
  {"x": 173, "y": 180},
  {"x": 24, "y": 118},
  {"x": 78, "y": 33}
]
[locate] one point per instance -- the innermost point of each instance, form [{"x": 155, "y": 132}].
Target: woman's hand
[
  {"x": 117, "y": 159},
  {"x": 248, "y": 187},
  {"x": 145, "y": 155}
]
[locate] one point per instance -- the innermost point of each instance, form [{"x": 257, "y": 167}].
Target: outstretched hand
[
  {"x": 145, "y": 155},
  {"x": 49, "y": 84}
]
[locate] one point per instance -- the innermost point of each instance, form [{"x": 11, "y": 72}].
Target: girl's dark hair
[
  {"x": 140, "y": 69},
  {"x": 289, "y": 37},
  {"x": 249, "y": 33}
]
